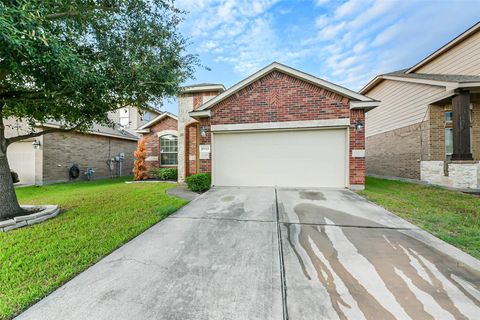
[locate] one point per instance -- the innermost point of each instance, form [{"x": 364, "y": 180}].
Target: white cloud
[
  {"x": 349, "y": 7},
  {"x": 386, "y": 35},
  {"x": 331, "y": 31},
  {"x": 321, "y": 21},
  {"x": 320, "y": 3},
  {"x": 346, "y": 41}
]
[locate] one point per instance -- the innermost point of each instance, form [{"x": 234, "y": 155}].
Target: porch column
[{"x": 461, "y": 126}]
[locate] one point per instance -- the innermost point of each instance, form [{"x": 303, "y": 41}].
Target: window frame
[
  {"x": 121, "y": 116},
  {"x": 161, "y": 149}
]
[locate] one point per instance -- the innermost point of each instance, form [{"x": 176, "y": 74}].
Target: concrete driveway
[{"x": 262, "y": 253}]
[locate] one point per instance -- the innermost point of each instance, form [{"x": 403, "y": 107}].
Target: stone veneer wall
[
  {"x": 461, "y": 175},
  {"x": 62, "y": 150}
]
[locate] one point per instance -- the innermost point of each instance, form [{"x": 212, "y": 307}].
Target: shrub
[
  {"x": 139, "y": 167},
  {"x": 166, "y": 173},
  {"x": 199, "y": 182}
]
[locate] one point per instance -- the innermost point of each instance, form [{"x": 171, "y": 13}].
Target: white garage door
[
  {"x": 304, "y": 158},
  {"x": 21, "y": 158}
]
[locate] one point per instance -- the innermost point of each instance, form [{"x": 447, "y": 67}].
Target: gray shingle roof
[
  {"x": 435, "y": 77},
  {"x": 103, "y": 130}
]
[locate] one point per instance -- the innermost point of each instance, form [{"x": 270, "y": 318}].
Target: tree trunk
[{"x": 9, "y": 206}]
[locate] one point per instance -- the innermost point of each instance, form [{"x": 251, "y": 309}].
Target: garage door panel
[
  {"x": 21, "y": 158},
  {"x": 308, "y": 158}
]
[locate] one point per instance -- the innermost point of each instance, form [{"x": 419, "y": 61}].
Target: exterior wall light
[
  {"x": 36, "y": 144},
  {"x": 203, "y": 132},
  {"x": 359, "y": 125}
]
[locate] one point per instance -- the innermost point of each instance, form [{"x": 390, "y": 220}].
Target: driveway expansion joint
[{"x": 282, "y": 265}]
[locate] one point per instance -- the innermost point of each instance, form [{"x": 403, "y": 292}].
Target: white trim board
[{"x": 345, "y": 122}]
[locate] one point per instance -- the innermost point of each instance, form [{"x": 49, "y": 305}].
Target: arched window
[{"x": 168, "y": 150}]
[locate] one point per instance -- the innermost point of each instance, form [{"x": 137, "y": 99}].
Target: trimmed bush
[
  {"x": 166, "y": 173},
  {"x": 199, "y": 182}
]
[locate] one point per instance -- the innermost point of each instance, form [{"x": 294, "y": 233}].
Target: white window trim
[{"x": 167, "y": 133}]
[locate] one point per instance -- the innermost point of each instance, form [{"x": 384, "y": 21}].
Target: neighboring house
[
  {"x": 131, "y": 118},
  {"x": 161, "y": 134},
  {"x": 278, "y": 127},
  {"x": 48, "y": 159},
  {"x": 428, "y": 124}
]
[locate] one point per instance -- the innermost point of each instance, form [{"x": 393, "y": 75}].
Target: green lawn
[
  {"x": 98, "y": 217},
  {"x": 451, "y": 216}
]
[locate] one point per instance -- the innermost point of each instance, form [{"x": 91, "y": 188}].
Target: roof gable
[
  {"x": 156, "y": 120},
  {"x": 456, "y": 41},
  {"x": 275, "y": 66}
]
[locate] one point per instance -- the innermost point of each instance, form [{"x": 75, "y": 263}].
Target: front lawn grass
[
  {"x": 98, "y": 217},
  {"x": 449, "y": 215}
]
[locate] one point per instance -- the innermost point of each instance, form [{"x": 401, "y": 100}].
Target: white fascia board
[
  {"x": 290, "y": 71},
  {"x": 364, "y": 104},
  {"x": 345, "y": 122},
  {"x": 203, "y": 88},
  {"x": 371, "y": 84},
  {"x": 421, "y": 81},
  {"x": 463, "y": 85},
  {"x": 200, "y": 114},
  {"x": 142, "y": 131}
]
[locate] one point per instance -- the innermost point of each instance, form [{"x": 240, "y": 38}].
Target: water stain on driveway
[{"x": 374, "y": 273}]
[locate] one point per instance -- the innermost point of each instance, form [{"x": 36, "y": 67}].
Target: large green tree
[{"x": 74, "y": 61}]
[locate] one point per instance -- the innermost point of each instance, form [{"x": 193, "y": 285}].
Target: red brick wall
[
  {"x": 357, "y": 142},
  {"x": 198, "y": 97},
  {"x": 205, "y": 164},
  {"x": 152, "y": 142},
  {"x": 279, "y": 97}
]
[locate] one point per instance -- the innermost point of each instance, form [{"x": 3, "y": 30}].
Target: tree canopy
[{"x": 73, "y": 61}]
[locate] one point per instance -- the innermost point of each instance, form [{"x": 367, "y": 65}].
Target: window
[
  {"x": 448, "y": 143},
  {"x": 448, "y": 116},
  {"x": 124, "y": 117},
  {"x": 449, "y": 133},
  {"x": 147, "y": 116},
  {"x": 168, "y": 150}
]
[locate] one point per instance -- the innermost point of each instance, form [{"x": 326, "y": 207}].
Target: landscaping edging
[{"x": 47, "y": 212}]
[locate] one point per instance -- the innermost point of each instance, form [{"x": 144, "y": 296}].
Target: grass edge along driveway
[
  {"x": 98, "y": 217},
  {"x": 451, "y": 216}
]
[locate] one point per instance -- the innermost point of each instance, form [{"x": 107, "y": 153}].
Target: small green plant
[
  {"x": 166, "y": 173},
  {"x": 199, "y": 182}
]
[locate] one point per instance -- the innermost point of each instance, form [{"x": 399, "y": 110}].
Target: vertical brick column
[
  {"x": 357, "y": 142},
  {"x": 205, "y": 165}
]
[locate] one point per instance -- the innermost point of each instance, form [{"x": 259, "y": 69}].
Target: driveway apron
[{"x": 266, "y": 253}]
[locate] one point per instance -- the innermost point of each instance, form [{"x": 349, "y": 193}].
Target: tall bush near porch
[{"x": 139, "y": 167}]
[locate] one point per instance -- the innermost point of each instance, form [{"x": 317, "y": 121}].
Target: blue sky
[{"x": 344, "y": 41}]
